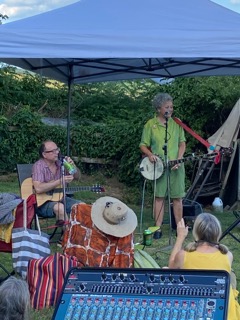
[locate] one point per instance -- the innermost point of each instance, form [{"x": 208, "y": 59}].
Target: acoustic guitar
[{"x": 55, "y": 194}]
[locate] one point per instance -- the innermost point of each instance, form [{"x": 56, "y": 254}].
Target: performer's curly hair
[{"x": 160, "y": 99}]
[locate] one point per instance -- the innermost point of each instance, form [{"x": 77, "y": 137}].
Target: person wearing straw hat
[{"x": 101, "y": 235}]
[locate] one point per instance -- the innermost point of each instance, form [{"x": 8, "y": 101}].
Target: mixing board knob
[
  {"x": 104, "y": 277},
  {"x": 151, "y": 277},
  {"x": 149, "y": 289},
  {"x": 162, "y": 278},
  {"x": 81, "y": 287},
  {"x": 114, "y": 276},
  {"x": 121, "y": 276},
  {"x": 132, "y": 277}
]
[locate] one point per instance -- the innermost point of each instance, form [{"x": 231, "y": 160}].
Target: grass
[{"x": 160, "y": 249}]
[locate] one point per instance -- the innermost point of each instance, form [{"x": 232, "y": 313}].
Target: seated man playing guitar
[{"x": 47, "y": 176}]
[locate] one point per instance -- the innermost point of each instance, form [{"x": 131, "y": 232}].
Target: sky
[{"x": 19, "y": 9}]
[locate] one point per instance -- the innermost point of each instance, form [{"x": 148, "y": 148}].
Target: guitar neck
[{"x": 74, "y": 189}]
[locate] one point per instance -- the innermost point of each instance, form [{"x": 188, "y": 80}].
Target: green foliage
[
  {"x": 109, "y": 117},
  {"x": 3, "y": 17},
  {"x": 108, "y": 101},
  {"x": 48, "y": 98}
]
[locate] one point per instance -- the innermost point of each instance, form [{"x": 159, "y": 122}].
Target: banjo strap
[{"x": 198, "y": 137}]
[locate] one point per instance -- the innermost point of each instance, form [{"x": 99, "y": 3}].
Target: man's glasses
[{"x": 52, "y": 151}]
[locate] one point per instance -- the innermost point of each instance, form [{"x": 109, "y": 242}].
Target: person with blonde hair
[
  {"x": 14, "y": 299},
  {"x": 205, "y": 253}
]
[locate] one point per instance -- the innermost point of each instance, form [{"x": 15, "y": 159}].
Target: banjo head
[{"x": 151, "y": 171}]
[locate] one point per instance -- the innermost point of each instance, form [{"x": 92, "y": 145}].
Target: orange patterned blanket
[{"x": 92, "y": 247}]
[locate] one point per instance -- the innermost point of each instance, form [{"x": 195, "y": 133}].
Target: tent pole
[{"x": 69, "y": 109}]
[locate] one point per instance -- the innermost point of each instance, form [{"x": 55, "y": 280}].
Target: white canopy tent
[{"x": 102, "y": 40}]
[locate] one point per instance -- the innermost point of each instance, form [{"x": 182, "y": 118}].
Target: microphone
[
  {"x": 60, "y": 156},
  {"x": 166, "y": 114}
]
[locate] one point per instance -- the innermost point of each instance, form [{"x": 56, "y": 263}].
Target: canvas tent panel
[
  {"x": 229, "y": 131},
  {"x": 230, "y": 192}
]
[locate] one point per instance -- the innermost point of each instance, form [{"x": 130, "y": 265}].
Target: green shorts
[{"x": 177, "y": 183}]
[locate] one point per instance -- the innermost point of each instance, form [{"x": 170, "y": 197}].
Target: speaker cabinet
[{"x": 190, "y": 211}]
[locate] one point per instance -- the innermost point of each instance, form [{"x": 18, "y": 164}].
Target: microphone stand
[
  {"x": 165, "y": 148},
  {"x": 63, "y": 186}
]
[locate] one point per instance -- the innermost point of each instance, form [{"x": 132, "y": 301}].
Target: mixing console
[{"x": 143, "y": 294}]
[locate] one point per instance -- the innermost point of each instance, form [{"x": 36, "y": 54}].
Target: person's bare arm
[
  {"x": 77, "y": 175},
  {"x": 43, "y": 187},
  {"x": 177, "y": 254},
  {"x": 230, "y": 257},
  {"x": 148, "y": 153},
  {"x": 181, "y": 149}
]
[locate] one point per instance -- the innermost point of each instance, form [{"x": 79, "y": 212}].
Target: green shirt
[{"x": 153, "y": 136}]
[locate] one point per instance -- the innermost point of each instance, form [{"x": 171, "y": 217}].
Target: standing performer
[{"x": 153, "y": 145}]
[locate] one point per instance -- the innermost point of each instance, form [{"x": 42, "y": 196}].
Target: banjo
[{"x": 154, "y": 170}]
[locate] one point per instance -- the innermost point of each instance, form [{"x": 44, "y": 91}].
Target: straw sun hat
[{"x": 113, "y": 217}]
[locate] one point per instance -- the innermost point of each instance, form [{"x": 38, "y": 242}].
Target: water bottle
[
  {"x": 217, "y": 205},
  {"x": 69, "y": 167}
]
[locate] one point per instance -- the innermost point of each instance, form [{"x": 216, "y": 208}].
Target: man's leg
[
  {"x": 58, "y": 209},
  {"x": 159, "y": 211},
  {"x": 70, "y": 202},
  {"x": 177, "y": 209}
]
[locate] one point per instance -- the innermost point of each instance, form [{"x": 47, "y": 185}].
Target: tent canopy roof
[{"x": 101, "y": 40}]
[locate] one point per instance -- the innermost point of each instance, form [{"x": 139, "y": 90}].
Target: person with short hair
[
  {"x": 152, "y": 145},
  {"x": 205, "y": 253},
  {"x": 47, "y": 176},
  {"x": 14, "y": 299}
]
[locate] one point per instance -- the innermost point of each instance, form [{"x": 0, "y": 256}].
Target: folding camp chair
[
  {"x": 26, "y": 188},
  {"x": 6, "y": 230}
]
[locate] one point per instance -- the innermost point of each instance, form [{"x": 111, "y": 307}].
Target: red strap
[{"x": 197, "y": 136}]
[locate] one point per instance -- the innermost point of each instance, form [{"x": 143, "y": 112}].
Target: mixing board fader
[{"x": 143, "y": 294}]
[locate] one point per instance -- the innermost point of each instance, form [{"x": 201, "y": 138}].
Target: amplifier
[
  {"x": 143, "y": 294},
  {"x": 190, "y": 211}
]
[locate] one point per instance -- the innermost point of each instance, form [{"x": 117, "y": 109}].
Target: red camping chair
[{"x": 7, "y": 247}]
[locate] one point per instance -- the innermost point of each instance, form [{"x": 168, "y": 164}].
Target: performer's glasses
[{"x": 53, "y": 151}]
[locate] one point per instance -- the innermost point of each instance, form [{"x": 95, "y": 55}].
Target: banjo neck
[{"x": 189, "y": 158}]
